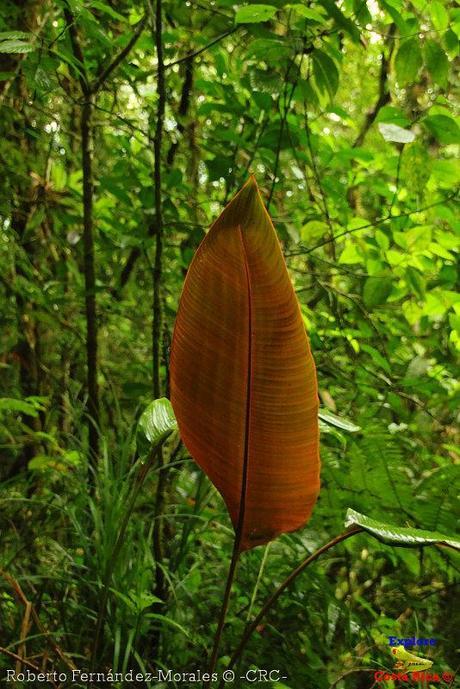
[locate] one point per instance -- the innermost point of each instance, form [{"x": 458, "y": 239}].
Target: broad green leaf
[
  {"x": 158, "y": 421},
  {"x": 376, "y": 291},
  {"x": 408, "y": 61},
  {"x": 326, "y": 429},
  {"x": 16, "y": 46},
  {"x": 253, "y": 14},
  {"x": 439, "y": 15},
  {"x": 306, "y": 12},
  {"x": 398, "y": 535},
  {"x": 436, "y": 62},
  {"x": 13, "y": 35},
  {"x": 268, "y": 49},
  {"x": 338, "y": 421},
  {"x": 446, "y": 173},
  {"x": 325, "y": 72},
  {"x": 445, "y": 128},
  {"x": 350, "y": 254},
  {"x": 382, "y": 240},
  {"x": 392, "y": 132},
  {"x": 29, "y": 408},
  {"x": 391, "y": 115},
  {"x": 314, "y": 229},
  {"x": 376, "y": 357},
  {"x": 415, "y": 281}
]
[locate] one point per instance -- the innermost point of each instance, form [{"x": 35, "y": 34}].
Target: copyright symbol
[{"x": 228, "y": 676}]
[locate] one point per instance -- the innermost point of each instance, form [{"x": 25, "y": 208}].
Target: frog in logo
[{"x": 408, "y": 662}]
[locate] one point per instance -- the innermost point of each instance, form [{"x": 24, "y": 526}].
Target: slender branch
[
  {"x": 118, "y": 59},
  {"x": 18, "y": 658},
  {"x": 24, "y": 600},
  {"x": 319, "y": 184},
  {"x": 77, "y": 50},
  {"x": 88, "y": 246},
  {"x": 376, "y": 223},
  {"x": 398, "y": 173},
  {"x": 157, "y": 143},
  {"x": 195, "y": 53},
  {"x": 285, "y": 584},
  {"x": 184, "y": 105},
  {"x": 384, "y": 96},
  {"x": 287, "y": 106},
  {"x": 90, "y": 280}
]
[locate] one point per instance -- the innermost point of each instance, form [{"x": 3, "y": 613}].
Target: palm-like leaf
[{"x": 243, "y": 382}]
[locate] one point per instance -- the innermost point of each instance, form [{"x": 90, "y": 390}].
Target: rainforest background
[{"x": 125, "y": 128}]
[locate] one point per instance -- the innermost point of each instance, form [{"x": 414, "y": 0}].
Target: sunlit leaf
[
  {"x": 392, "y": 132},
  {"x": 158, "y": 421},
  {"x": 253, "y": 14},
  {"x": 338, "y": 421},
  {"x": 398, "y": 535},
  {"x": 408, "y": 61},
  {"x": 16, "y": 46}
]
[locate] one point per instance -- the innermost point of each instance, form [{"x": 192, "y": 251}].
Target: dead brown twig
[{"x": 30, "y": 611}]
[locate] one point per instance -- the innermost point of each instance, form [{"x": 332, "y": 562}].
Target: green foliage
[
  {"x": 156, "y": 423},
  {"x": 395, "y": 535}
]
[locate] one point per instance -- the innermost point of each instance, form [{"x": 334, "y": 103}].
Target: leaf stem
[
  {"x": 277, "y": 593},
  {"x": 223, "y": 610}
]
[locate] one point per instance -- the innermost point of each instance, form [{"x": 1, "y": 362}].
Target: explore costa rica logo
[{"x": 410, "y": 667}]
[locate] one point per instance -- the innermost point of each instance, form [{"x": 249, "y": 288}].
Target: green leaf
[
  {"x": 376, "y": 291},
  {"x": 408, "y": 61},
  {"x": 445, "y": 128},
  {"x": 350, "y": 254},
  {"x": 436, "y": 62},
  {"x": 12, "y": 35},
  {"x": 392, "y": 132},
  {"x": 415, "y": 281},
  {"x": 392, "y": 115},
  {"x": 439, "y": 15},
  {"x": 253, "y": 14},
  {"x": 338, "y": 421},
  {"x": 313, "y": 230},
  {"x": 306, "y": 12},
  {"x": 325, "y": 72},
  {"x": 16, "y": 46},
  {"x": 398, "y": 535},
  {"x": 341, "y": 20},
  {"x": 30, "y": 408},
  {"x": 104, "y": 7},
  {"x": 157, "y": 422},
  {"x": 382, "y": 240}
]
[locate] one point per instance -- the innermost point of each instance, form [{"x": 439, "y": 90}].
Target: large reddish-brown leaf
[{"x": 243, "y": 381}]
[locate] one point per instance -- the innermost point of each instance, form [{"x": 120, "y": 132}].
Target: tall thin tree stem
[
  {"x": 90, "y": 279},
  {"x": 157, "y": 316},
  {"x": 89, "y": 92},
  {"x": 157, "y": 142}
]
